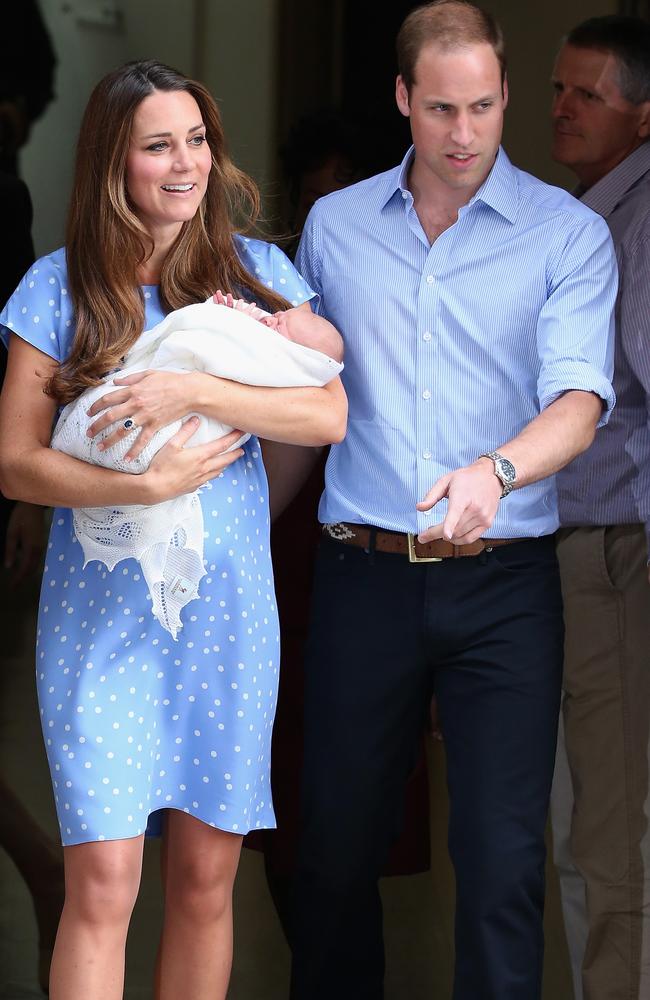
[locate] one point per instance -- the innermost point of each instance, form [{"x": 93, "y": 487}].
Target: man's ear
[
  {"x": 402, "y": 97},
  {"x": 505, "y": 92},
  {"x": 643, "y": 130}
]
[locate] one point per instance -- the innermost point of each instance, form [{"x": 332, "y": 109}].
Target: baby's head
[{"x": 308, "y": 329}]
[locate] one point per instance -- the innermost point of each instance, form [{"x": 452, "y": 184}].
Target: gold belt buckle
[{"x": 414, "y": 557}]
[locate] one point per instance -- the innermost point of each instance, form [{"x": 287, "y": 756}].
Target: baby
[
  {"x": 297, "y": 325},
  {"x": 223, "y": 336}
]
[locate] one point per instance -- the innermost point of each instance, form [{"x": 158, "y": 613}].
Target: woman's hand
[
  {"x": 177, "y": 469},
  {"x": 150, "y": 399}
]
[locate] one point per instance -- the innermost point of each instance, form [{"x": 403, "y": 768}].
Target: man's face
[
  {"x": 456, "y": 110},
  {"x": 594, "y": 126}
]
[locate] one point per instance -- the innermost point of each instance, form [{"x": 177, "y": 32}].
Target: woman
[{"x": 134, "y": 722}]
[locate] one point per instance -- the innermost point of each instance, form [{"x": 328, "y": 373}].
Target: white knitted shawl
[{"x": 167, "y": 538}]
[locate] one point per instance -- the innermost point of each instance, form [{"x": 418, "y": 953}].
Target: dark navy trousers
[{"x": 485, "y": 633}]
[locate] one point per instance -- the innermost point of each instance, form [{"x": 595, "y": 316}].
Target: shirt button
[
  {"x": 430, "y": 279},
  {"x": 405, "y": 195},
  {"x": 426, "y": 454},
  {"x": 426, "y": 335},
  {"x": 426, "y": 394}
]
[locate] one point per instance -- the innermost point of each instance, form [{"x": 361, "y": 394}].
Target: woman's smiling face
[{"x": 168, "y": 161}]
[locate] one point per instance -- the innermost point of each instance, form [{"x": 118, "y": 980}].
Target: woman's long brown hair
[{"x": 105, "y": 241}]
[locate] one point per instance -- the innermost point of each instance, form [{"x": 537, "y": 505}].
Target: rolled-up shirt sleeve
[{"x": 575, "y": 332}]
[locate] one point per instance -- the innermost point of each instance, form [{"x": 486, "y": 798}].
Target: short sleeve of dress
[
  {"x": 308, "y": 257},
  {"x": 40, "y": 310},
  {"x": 274, "y": 269}
]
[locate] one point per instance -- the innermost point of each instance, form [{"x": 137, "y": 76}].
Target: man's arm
[
  {"x": 548, "y": 443},
  {"x": 575, "y": 341}
]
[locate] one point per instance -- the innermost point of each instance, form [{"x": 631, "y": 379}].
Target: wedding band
[{"x": 129, "y": 424}]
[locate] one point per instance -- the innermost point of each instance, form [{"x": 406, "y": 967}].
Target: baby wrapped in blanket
[{"x": 224, "y": 337}]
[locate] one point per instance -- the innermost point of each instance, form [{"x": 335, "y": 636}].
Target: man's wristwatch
[{"x": 504, "y": 470}]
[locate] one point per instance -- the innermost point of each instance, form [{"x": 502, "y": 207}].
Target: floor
[{"x": 418, "y": 909}]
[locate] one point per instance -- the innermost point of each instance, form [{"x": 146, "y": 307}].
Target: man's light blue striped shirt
[{"x": 452, "y": 348}]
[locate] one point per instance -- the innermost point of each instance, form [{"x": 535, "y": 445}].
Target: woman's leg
[
  {"x": 199, "y": 872},
  {"x": 101, "y": 882}
]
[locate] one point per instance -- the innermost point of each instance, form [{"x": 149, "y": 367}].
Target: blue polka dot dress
[{"x": 134, "y": 722}]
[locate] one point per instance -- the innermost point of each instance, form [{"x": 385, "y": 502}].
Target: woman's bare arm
[
  {"x": 31, "y": 471},
  {"x": 304, "y": 415}
]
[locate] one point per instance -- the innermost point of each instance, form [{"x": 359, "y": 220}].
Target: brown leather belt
[{"x": 361, "y": 536}]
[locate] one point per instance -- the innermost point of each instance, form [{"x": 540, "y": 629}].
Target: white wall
[
  {"x": 238, "y": 63},
  {"x": 230, "y": 46},
  {"x": 85, "y": 52},
  {"x": 533, "y": 33}
]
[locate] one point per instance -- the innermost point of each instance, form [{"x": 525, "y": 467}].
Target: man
[
  {"x": 475, "y": 304},
  {"x": 601, "y": 117}
]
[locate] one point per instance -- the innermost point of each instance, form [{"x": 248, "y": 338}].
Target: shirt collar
[
  {"x": 397, "y": 179},
  {"x": 499, "y": 190},
  {"x": 605, "y": 194}
]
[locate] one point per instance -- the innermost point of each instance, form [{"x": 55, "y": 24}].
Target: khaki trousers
[{"x": 601, "y": 794}]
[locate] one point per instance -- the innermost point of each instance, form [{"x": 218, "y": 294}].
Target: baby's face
[
  {"x": 288, "y": 324},
  {"x": 306, "y": 328}
]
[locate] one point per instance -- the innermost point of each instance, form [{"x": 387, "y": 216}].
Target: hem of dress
[{"x": 100, "y": 838}]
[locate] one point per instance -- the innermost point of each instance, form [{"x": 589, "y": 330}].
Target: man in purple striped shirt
[{"x": 601, "y": 114}]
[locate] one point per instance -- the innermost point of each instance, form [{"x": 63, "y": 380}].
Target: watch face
[{"x": 506, "y": 469}]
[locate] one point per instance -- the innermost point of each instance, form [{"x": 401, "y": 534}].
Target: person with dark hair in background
[
  {"x": 133, "y": 724},
  {"x": 26, "y": 77},
  {"x": 475, "y": 305},
  {"x": 601, "y": 792},
  {"x": 16, "y": 254},
  {"x": 26, "y": 87},
  {"x": 325, "y": 151},
  {"x": 22, "y": 541}
]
